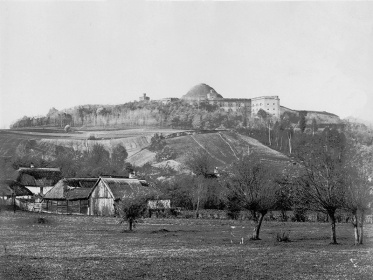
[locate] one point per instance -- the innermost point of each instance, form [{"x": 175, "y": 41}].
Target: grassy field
[{"x": 82, "y": 247}]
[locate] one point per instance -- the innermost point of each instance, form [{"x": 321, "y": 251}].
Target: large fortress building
[{"x": 203, "y": 92}]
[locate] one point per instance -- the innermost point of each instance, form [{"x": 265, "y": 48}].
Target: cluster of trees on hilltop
[
  {"x": 179, "y": 114},
  {"x": 284, "y": 133}
]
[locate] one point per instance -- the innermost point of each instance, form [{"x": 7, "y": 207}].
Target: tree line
[{"x": 329, "y": 171}]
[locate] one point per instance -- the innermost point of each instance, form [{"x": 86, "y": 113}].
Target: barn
[
  {"x": 69, "y": 196},
  {"x": 109, "y": 191}
]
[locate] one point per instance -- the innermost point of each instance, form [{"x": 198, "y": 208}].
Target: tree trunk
[
  {"x": 356, "y": 230},
  {"x": 269, "y": 135},
  {"x": 333, "y": 237},
  {"x": 257, "y": 227},
  {"x": 361, "y": 225},
  {"x": 197, "y": 208},
  {"x": 130, "y": 224}
]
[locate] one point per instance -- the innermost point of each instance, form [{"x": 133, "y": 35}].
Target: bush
[
  {"x": 41, "y": 220},
  {"x": 233, "y": 208},
  {"x": 283, "y": 237},
  {"x": 299, "y": 215},
  {"x": 91, "y": 137}
]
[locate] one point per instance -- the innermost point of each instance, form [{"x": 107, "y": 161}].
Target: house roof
[
  {"x": 124, "y": 187},
  {"x": 71, "y": 189},
  {"x": 38, "y": 177},
  {"x": 8, "y": 187}
]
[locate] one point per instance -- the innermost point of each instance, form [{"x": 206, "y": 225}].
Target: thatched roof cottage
[
  {"x": 70, "y": 196},
  {"x": 38, "y": 180}
]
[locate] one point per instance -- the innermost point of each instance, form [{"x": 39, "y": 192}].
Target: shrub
[
  {"x": 132, "y": 208},
  {"x": 283, "y": 237},
  {"x": 299, "y": 215},
  {"x": 41, "y": 220},
  {"x": 91, "y": 137}
]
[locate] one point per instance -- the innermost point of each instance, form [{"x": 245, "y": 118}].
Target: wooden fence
[{"x": 59, "y": 207}]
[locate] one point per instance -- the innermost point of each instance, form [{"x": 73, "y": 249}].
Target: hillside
[
  {"x": 223, "y": 147},
  {"x": 320, "y": 117}
]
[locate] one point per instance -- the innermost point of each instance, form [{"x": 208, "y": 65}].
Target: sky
[{"x": 313, "y": 55}]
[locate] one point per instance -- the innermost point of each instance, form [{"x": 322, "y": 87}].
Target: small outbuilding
[
  {"x": 69, "y": 196},
  {"x": 108, "y": 192}
]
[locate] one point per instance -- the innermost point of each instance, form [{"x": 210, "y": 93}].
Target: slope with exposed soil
[{"x": 224, "y": 147}]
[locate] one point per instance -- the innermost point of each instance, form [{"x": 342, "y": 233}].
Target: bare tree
[
  {"x": 314, "y": 126},
  {"x": 252, "y": 184},
  {"x": 322, "y": 181},
  {"x": 358, "y": 171},
  {"x": 200, "y": 163}
]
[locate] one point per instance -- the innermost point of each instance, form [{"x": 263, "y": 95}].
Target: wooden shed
[
  {"x": 69, "y": 196},
  {"x": 109, "y": 191}
]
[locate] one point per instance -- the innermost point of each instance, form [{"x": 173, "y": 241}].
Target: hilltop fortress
[{"x": 205, "y": 93}]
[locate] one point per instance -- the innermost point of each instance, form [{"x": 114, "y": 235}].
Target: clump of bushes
[
  {"x": 41, "y": 220},
  {"x": 283, "y": 237},
  {"x": 299, "y": 215},
  {"x": 91, "y": 137}
]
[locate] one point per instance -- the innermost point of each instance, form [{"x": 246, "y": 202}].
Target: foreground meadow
[{"x": 82, "y": 247}]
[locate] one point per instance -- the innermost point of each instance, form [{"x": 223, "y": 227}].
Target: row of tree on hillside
[
  {"x": 93, "y": 162},
  {"x": 285, "y": 133},
  {"x": 178, "y": 114}
]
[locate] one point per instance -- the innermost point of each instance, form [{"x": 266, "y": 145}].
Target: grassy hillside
[
  {"x": 223, "y": 147},
  {"x": 320, "y": 117}
]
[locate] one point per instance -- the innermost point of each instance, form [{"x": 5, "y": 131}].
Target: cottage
[
  {"x": 69, "y": 196},
  {"x": 108, "y": 192},
  {"x": 10, "y": 189},
  {"x": 38, "y": 180}
]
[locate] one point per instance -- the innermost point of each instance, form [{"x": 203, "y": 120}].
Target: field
[{"x": 82, "y": 247}]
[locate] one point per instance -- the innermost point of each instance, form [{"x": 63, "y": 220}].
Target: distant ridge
[{"x": 200, "y": 91}]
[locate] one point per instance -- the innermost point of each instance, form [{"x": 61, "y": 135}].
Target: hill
[
  {"x": 321, "y": 117},
  {"x": 224, "y": 146},
  {"x": 200, "y": 91}
]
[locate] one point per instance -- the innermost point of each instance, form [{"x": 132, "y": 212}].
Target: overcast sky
[{"x": 313, "y": 55}]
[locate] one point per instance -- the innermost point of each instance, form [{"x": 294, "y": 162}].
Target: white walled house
[{"x": 38, "y": 180}]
